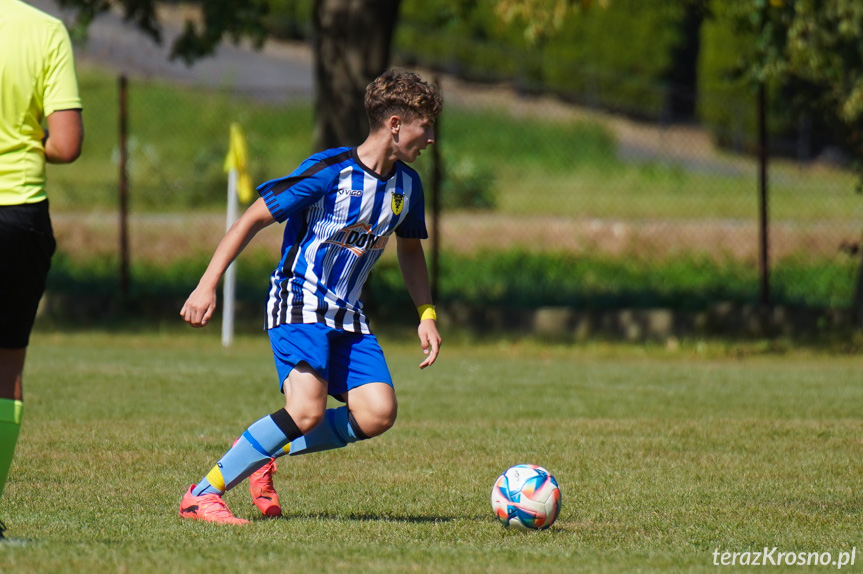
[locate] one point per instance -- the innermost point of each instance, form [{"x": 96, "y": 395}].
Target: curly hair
[{"x": 399, "y": 92}]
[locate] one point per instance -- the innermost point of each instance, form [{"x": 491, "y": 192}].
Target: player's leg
[
  {"x": 370, "y": 410},
  {"x": 258, "y": 444},
  {"x": 11, "y": 407},
  {"x": 305, "y": 395},
  {"x": 11, "y": 370},
  {"x": 374, "y": 408},
  {"x": 359, "y": 376},
  {"x": 28, "y": 245}
]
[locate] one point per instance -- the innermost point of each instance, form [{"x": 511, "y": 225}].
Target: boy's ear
[{"x": 394, "y": 124}]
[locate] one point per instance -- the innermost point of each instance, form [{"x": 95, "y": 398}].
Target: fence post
[
  {"x": 435, "y": 207},
  {"x": 763, "y": 262},
  {"x": 857, "y": 304},
  {"x": 124, "y": 189}
]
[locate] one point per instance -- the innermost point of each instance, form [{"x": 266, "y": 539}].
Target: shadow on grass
[{"x": 365, "y": 517}]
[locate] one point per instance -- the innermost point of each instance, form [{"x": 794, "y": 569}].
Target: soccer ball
[{"x": 526, "y": 497}]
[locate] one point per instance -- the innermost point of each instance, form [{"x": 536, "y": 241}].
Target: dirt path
[{"x": 167, "y": 237}]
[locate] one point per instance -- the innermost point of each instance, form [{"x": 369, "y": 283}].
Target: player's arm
[
  {"x": 64, "y": 136},
  {"x": 201, "y": 303},
  {"x": 412, "y": 263}
]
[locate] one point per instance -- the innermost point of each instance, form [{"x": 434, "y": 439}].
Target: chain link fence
[{"x": 542, "y": 203}]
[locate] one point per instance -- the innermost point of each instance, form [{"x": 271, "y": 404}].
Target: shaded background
[{"x": 608, "y": 170}]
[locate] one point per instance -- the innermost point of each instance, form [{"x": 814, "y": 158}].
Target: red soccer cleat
[
  {"x": 207, "y": 507},
  {"x": 261, "y": 488}
]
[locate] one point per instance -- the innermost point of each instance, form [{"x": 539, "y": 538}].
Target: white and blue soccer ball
[{"x": 526, "y": 497}]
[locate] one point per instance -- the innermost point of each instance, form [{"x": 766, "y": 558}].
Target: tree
[
  {"x": 351, "y": 43},
  {"x": 819, "y": 42},
  {"x": 825, "y": 46},
  {"x": 816, "y": 43}
]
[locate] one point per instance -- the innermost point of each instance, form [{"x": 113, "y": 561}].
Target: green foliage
[
  {"x": 499, "y": 139},
  {"x": 617, "y": 57},
  {"x": 520, "y": 279},
  {"x": 720, "y": 80},
  {"x": 514, "y": 279},
  {"x": 168, "y": 172},
  {"x": 468, "y": 185},
  {"x": 289, "y": 19},
  {"x": 807, "y": 53},
  {"x": 220, "y": 19},
  {"x": 178, "y": 140},
  {"x": 487, "y": 168},
  {"x": 824, "y": 45},
  {"x": 728, "y": 81}
]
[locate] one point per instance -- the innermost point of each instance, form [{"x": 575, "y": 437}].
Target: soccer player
[
  {"x": 339, "y": 207},
  {"x": 37, "y": 81}
]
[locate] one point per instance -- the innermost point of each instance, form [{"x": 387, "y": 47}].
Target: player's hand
[
  {"x": 199, "y": 307},
  {"x": 430, "y": 341}
]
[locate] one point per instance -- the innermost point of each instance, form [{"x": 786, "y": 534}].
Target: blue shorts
[{"x": 345, "y": 360}]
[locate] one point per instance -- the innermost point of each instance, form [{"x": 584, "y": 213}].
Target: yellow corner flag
[{"x": 237, "y": 159}]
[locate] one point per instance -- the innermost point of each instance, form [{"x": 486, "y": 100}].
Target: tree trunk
[{"x": 351, "y": 42}]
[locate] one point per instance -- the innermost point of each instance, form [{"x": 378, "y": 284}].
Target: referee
[{"x": 37, "y": 82}]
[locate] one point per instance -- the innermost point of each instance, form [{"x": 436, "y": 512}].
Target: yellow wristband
[{"x": 427, "y": 312}]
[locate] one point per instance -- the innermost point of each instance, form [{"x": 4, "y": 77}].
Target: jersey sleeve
[
  {"x": 289, "y": 195},
  {"x": 61, "y": 84},
  {"x": 413, "y": 226}
]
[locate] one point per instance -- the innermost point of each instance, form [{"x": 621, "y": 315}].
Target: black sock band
[
  {"x": 356, "y": 428},
  {"x": 286, "y": 424}
]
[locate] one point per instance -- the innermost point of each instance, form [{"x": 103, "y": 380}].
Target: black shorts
[{"x": 26, "y": 246}]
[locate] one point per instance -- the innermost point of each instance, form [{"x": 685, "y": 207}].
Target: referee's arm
[{"x": 64, "y": 136}]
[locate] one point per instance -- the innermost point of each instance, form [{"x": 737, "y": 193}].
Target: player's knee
[
  {"x": 377, "y": 420},
  {"x": 307, "y": 419}
]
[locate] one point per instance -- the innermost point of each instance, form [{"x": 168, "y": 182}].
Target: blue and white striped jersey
[{"x": 338, "y": 217}]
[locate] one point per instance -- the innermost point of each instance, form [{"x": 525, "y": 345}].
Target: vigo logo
[
  {"x": 357, "y": 239},
  {"x": 351, "y": 192}
]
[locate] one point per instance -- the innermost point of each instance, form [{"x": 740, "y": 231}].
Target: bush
[
  {"x": 727, "y": 103},
  {"x": 514, "y": 279},
  {"x": 617, "y": 58}
]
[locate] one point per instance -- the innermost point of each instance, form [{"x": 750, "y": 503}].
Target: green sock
[{"x": 10, "y": 424}]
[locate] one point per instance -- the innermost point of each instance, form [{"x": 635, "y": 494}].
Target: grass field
[{"x": 663, "y": 456}]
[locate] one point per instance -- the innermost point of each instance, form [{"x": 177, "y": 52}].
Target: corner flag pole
[
  {"x": 239, "y": 189},
  {"x": 230, "y": 281}
]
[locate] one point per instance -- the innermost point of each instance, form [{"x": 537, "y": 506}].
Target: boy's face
[{"x": 413, "y": 137}]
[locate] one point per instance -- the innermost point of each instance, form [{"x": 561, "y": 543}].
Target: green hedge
[
  {"x": 514, "y": 279},
  {"x": 727, "y": 101},
  {"x": 618, "y": 58}
]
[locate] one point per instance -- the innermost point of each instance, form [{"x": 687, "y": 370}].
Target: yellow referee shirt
[{"x": 37, "y": 78}]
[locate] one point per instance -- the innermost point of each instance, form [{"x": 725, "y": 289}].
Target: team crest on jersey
[
  {"x": 398, "y": 202},
  {"x": 357, "y": 239}
]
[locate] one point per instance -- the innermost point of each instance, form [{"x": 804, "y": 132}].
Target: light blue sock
[
  {"x": 259, "y": 443},
  {"x": 336, "y": 430}
]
